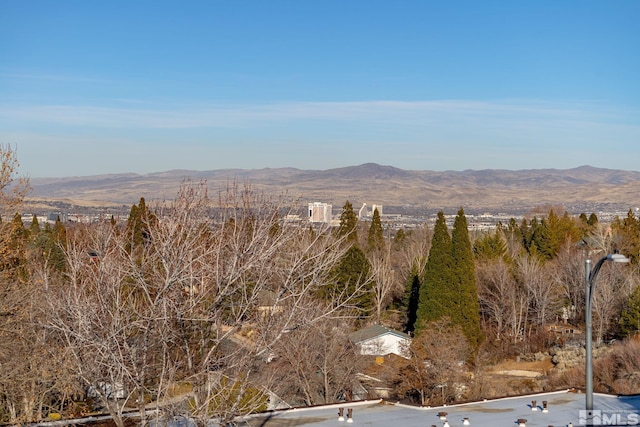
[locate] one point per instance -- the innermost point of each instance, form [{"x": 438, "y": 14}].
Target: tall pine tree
[
  {"x": 34, "y": 228},
  {"x": 139, "y": 224},
  {"x": 348, "y": 223},
  {"x": 630, "y": 318},
  {"x": 435, "y": 292},
  {"x": 627, "y": 233},
  {"x": 449, "y": 286},
  {"x": 490, "y": 246},
  {"x": 375, "y": 238},
  {"x": 411, "y": 301},
  {"x": 466, "y": 312},
  {"x": 12, "y": 255},
  {"x": 351, "y": 276}
]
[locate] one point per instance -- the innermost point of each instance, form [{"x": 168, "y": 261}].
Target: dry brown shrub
[{"x": 569, "y": 378}]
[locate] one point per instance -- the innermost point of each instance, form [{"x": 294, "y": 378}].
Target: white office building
[
  {"x": 363, "y": 212},
  {"x": 320, "y": 212}
]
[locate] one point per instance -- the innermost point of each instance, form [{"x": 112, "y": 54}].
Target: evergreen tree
[
  {"x": 351, "y": 272},
  {"x": 400, "y": 237},
  {"x": 59, "y": 232},
  {"x": 557, "y": 230},
  {"x": 34, "y": 228},
  {"x": 514, "y": 231},
  {"x": 583, "y": 225},
  {"x": 435, "y": 292},
  {"x": 526, "y": 232},
  {"x": 538, "y": 243},
  {"x": 13, "y": 259},
  {"x": 628, "y": 236},
  {"x": 348, "y": 224},
  {"x": 375, "y": 239},
  {"x": 57, "y": 245},
  {"x": 50, "y": 244},
  {"x": 411, "y": 301},
  {"x": 571, "y": 229},
  {"x": 466, "y": 306},
  {"x": 18, "y": 232},
  {"x": 138, "y": 224},
  {"x": 630, "y": 318},
  {"x": 133, "y": 229},
  {"x": 490, "y": 246},
  {"x": 583, "y": 218}
]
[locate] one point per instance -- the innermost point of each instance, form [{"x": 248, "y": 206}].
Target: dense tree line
[
  {"x": 211, "y": 306},
  {"x": 532, "y": 274}
]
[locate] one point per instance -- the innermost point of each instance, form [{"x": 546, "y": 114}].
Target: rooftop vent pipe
[
  {"x": 350, "y": 415},
  {"x": 522, "y": 422},
  {"x": 442, "y": 415},
  {"x": 340, "y": 414},
  {"x": 534, "y": 407},
  {"x": 545, "y": 408},
  {"x": 465, "y": 422}
]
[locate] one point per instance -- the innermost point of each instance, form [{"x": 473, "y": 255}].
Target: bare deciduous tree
[
  {"x": 567, "y": 270},
  {"x": 414, "y": 252},
  {"x": 543, "y": 293},
  {"x": 28, "y": 364},
  {"x": 318, "y": 364},
  {"x": 600, "y": 238},
  {"x": 13, "y": 188},
  {"x": 611, "y": 291},
  {"x": 171, "y": 308},
  {"x": 435, "y": 370},
  {"x": 386, "y": 282},
  {"x": 501, "y": 302}
]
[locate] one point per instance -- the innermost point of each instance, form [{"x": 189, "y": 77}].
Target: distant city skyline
[{"x": 92, "y": 88}]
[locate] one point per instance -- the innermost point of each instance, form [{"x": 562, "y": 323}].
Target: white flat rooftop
[{"x": 564, "y": 409}]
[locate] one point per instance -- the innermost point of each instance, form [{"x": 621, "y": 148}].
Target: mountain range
[{"x": 496, "y": 190}]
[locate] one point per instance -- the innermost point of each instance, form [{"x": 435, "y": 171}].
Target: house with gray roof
[{"x": 378, "y": 340}]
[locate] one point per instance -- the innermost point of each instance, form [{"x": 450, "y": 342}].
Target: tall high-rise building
[
  {"x": 362, "y": 213},
  {"x": 320, "y": 212}
]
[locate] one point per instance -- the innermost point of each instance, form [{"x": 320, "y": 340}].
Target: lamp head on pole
[
  {"x": 617, "y": 258},
  {"x": 590, "y": 282},
  {"x": 592, "y": 274}
]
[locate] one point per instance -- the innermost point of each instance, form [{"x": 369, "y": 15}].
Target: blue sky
[{"x": 90, "y": 87}]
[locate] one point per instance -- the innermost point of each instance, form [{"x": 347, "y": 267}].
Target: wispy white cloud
[
  {"x": 510, "y": 113},
  {"x": 49, "y": 77}
]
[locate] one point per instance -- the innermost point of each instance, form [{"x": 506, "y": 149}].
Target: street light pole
[{"x": 590, "y": 280}]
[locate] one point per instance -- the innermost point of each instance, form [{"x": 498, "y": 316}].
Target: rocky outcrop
[{"x": 567, "y": 358}]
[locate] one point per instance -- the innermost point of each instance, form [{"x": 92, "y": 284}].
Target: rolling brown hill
[{"x": 575, "y": 189}]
